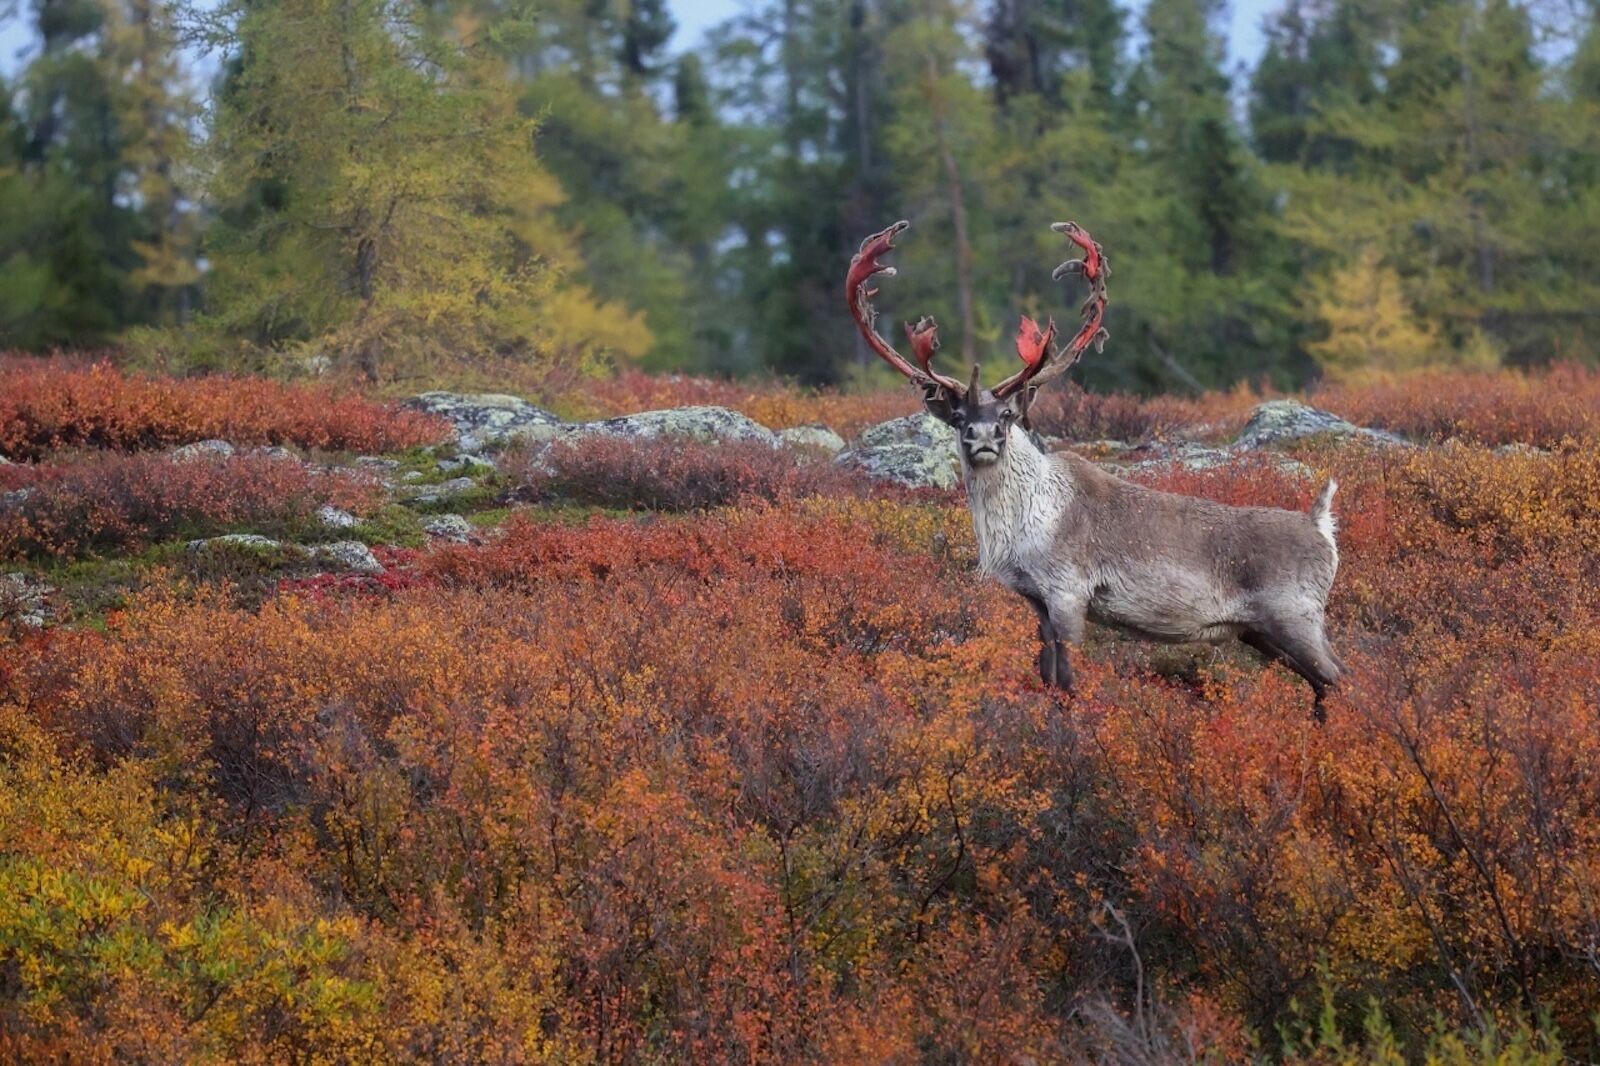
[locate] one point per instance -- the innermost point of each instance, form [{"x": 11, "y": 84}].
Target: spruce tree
[{"x": 391, "y": 216}]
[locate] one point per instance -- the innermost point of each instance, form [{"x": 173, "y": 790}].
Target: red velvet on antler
[
  {"x": 1039, "y": 364},
  {"x": 1033, "y": 344},
  {"x": 924, "y": 336}
]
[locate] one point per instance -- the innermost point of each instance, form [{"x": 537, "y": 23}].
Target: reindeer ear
[
  {"x": 940, "y": 403},
  {"x": 1022, "y": 402}
]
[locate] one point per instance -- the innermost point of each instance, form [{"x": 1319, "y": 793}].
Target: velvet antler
[
  {"x": 924, "y": 336},
  {"x": 1040, "y": 364}
]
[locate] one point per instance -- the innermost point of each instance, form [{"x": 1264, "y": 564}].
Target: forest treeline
[{"x": 408, "y": 190}]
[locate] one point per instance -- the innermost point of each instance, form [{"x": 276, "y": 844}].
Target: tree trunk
[{"x": 958, "y": 217}]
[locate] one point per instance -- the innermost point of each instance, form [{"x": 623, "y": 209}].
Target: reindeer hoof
[{"x": 1055, "y": 670}]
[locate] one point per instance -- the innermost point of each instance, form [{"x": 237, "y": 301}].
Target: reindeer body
[{"x": 1082, "y": 545}]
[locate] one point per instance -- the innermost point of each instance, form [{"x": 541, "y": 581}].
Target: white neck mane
[{"x": 1016, "y": 504}]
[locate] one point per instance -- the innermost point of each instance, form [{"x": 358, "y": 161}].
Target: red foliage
[
  {"x": 1506, "y": 407},
  {"x": 47, "y": 403},
  {"x": 677, "y": 475},
  {"x": 400, "y": 572},
  {"x": 777, "y": 783},
  {"x": 109, "y": 500}
]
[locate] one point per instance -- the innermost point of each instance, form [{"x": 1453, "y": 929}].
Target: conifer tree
[
  {"x": 94, "y": 233},
  {"x": 393, "y": 216},
  {"x": 1454, "y": 174}
]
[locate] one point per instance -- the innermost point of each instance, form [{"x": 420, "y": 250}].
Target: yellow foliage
[{"x": 1373, "y": 332}]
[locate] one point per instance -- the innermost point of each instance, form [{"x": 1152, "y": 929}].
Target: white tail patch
[{"x": 1322, "y": 514}]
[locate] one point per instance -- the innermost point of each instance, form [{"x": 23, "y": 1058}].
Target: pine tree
[
  {"x": 1318, "y": 53},
  {"x": 1211, "y": 290},
  {"x": 940, "y": 144},
  {"x": 1455, "y": 175},
  {"x": 89, "y": 205},
  {"x": 1371, "y": 330},
  {"x": 392, "y": 216}
]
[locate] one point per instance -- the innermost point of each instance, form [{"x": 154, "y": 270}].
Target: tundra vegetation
[{"x": 746, "y": 763}]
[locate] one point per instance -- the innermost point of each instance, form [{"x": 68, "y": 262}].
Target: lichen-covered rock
[
  {"x": 377, "y": 463},
  {"x": 1188, "y": 456},
  {"x": 448, "y": 527},
  {"x": 14, "y": 498},
  {"x": 202, "y": 449},
  {"x": 483, "y": 418},
  {"x": 333, "y": 518},
  {"x": 918, "y": 451},
  {"x": 1199, "y": 457},
  {"x": 25, "y": 600},
  {"x": 234, "y": 542},
  {"x": 348, "y": 555},
  {"x": 444, "y": 490},
  {"x": 816, "y": 436},
  {"x": 469, "y": 463},
  {"x": 707, "y": 424},
  {"x": 275, "y": 451},
  {"x": 1277, "y": 421}
]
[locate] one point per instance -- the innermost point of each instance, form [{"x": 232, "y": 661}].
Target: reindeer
[{"x": 1081, "y": 544}]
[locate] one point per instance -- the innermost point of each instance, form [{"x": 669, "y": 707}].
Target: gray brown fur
[{"x": 1080, "y": 544}]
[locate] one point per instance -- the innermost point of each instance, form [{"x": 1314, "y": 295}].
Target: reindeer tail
[{"x": 1322, "y": 513}]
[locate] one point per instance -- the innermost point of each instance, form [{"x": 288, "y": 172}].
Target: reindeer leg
[
  {"x": 1309, "y": 658},
  {"x": 1058, "y": 627},
  {"x": 1049, "y": 661}
]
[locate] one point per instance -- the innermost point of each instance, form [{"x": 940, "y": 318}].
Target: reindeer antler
[
  {"x": 924, "y": 336},
  {"x": 1040, "y": 364}
]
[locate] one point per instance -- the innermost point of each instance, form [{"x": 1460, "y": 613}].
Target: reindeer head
[{"x": 983, "y": 418}]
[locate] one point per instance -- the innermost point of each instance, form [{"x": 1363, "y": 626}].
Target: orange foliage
[
  {"x": 777, "y": 783},
  {"x": 49, "y": 403},
  {"x": 1503, "y": 407}
]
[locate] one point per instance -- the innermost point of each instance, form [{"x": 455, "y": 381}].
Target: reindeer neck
[
  {"x": 1015, "y": 503},
  {"x": 1022, "y": 468}
]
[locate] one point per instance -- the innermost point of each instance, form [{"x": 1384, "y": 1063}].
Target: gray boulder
[
  {"x": 1280, "y": 421},
  {"x": 333, "y": 518},
  {"x": 25, "y": 599},
  {"x": 448, "y": 527},
  {"x": 707, "y": 424},
  {"x": 482, "y": 418},
  {"x": 1199, "y": 457},
  {"x": 918, "y": 451},
  {"x": 349, "y": 555},
  {"x": 234, "y": 542},
  {"x": 202, "y": 449},
  {"x": 444, "y": 490},
  {"x": 816, "y": 436},
  {"x": 377, "y": 463},
  {"x": 470, "y": 464}
]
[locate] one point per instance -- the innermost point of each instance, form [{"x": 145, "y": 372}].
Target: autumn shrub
[
  {"x": 1540, "y": 408},
  {"x": 47, "y": 404},
  {"x": 110, "y": 500},
  {"x": 677, "y": 475},
  {"x": 777, "y": 783}
]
